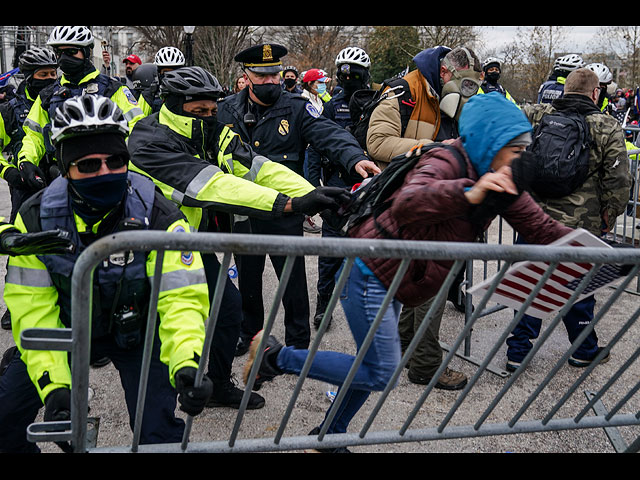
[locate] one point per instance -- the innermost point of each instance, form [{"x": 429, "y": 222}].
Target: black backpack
[
  {"x": 372, "y": 198},
  {"x": 363, "y": 103},
  {"x": 561, "y": 144}
]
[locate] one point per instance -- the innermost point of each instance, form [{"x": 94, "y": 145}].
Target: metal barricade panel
[{"x": 499, "y": 408}]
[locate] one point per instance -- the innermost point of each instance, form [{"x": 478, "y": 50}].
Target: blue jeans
[{"x": 361, "y": 299}]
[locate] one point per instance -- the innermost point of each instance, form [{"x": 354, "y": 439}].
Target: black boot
[
  {"x": 6, "y": 320},
  {"x": 322, "y": 301},
  {"x": 228, "y": 395}
]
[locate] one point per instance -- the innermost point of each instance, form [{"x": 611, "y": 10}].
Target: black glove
[
  {"x": 12, "y": 242},
  {"x": 192, "y": 399},
  {"x": 57, "y": 408},
  {"x": 622, "y": 270},
  {"x": 320, "y": 199},
  {"x": 13, "y": 177},
  {"x": 32, "y": 176}
]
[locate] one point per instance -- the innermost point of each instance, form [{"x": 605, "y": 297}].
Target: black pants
[
  {"x": 250, "y": 272},
  {"x": 20, "y": 402},
  {"x": 227, "y": 332}
]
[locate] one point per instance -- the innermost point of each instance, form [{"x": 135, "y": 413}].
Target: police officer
[
  {"x": 38, "y": 65},
  {"x": 290, "y": 77},
  {"x": 605, "y": 77},
  {"x": 492, "y": 68},
  {"x": 166, "y": 59},
  {"x": 280, "y": 125},
  {"x": 92, "y": 199},
  {"x": 72, "y": 47},
  {"x": 554, "y": 87},
  {"x": 205, "y": 168},
  {"x": 353, "y": 73}
]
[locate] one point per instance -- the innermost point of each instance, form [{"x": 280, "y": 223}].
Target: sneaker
[
  {"x": 6, "y": 320},
  {"x": 230, "y": 396},
  {"x": 316, "y": 431},
  {"x": 512, "y": 365},
  {"x": 580, "y": 363},
  {"x": 449, "y": 380},
  {"x": 268, "y": 368},
  {"x": 242, "y": 346},
  {"x": 310, "y": 226}
]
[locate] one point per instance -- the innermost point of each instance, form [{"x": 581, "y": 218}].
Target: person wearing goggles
[{"x": 444, "y": 81}]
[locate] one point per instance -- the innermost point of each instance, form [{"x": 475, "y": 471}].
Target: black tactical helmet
[{"x": 144, "y": 76}]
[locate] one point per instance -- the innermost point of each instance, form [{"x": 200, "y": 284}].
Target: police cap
[{"x": 264, "y": 58}]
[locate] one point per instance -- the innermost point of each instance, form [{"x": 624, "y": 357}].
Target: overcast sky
[{"x": 578, "y": 38}]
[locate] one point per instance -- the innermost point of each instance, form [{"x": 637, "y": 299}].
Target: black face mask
[
  {"x": 71, "y": 66},
  {"x": 267, "y": 93},
  {"x": 37, "y": 84},
  {"x": 289, "y": 82},
  {"x": 492, "y": 77}
]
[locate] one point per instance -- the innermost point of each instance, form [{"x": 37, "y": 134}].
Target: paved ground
[{"x": 216, "y": 424}]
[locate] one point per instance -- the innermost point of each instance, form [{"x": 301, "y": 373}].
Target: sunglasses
[
  {"x": 94, "y": 164},
  {"x": 71, "y": 51}
]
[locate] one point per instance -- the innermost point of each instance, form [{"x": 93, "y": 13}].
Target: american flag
[{"x": 521, "y": 279}]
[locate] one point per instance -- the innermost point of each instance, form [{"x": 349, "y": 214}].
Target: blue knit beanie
[{"x": 487, "y": 123}]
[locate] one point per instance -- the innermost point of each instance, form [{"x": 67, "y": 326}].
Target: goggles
[{"x": 94, "y": 164}]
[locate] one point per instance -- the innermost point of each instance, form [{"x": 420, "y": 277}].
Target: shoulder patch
[
  {"x": 130, "y": 96},
  {"x": 312, "y": 110},
  {"x": 185, "y": 257}
]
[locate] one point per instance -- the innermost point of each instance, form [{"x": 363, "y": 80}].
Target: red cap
[
  {"x": 313, "y": 75},
  {"x": 133, "y": 59}
]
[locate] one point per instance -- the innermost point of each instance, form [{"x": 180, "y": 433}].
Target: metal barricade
[{"x": 562, "y": 409}]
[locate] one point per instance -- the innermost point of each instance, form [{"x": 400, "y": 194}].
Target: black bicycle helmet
[
  {"x": 36, "y": 58},
  {"x": 190, "y": 82}
]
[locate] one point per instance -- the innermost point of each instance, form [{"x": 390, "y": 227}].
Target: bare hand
[
  {"x": 500, "y": 181},
  {"x": 364, "y": 167}
]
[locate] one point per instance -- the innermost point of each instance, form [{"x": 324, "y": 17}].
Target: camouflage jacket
[{"x": 605, "y": 194}]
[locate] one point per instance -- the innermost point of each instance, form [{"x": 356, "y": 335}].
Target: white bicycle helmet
[
  {"x": 602, "y": 71},
  {"x": 353, "y": 55},
  {"x": 87, "y": 114},
  {"x": 169, "y": 57},
  {"x": 491, "y": 61},
  {"x": 77, "y": 36},
  {"x": 569, "y": 62}
]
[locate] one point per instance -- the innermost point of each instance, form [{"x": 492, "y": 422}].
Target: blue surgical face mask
[{"x": 321, "y": 88}]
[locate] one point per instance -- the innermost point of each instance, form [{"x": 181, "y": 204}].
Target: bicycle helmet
[
  {"x": 87, "y": 114},
  {"x": 290, "y": 68},
  {"x": 169, "y": 57},
  {"x": 190, "y": 82},
  {"x": 76, "y": 36},
  {"x": 602, "y": 71},
  {"x": 353, "y": 55},
  {"x": 36, "y": 58},
  {"x": 491, "y": 62},
  {"x": 569, "y": 62}
]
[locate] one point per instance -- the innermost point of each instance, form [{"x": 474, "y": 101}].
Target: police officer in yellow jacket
[
  {"x": 93, "y": 198},
  {"x": 205, "y": 168},
  {"x": 72, "y": 46}
]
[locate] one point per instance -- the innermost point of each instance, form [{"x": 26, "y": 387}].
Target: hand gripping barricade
[{"x": 414, "y": 414}]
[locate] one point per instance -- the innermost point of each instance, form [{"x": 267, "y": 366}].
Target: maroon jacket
[{"x": 431, "y": 205}]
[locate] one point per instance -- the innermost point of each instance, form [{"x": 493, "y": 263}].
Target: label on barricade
[{"x": 522, "y": 278}]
